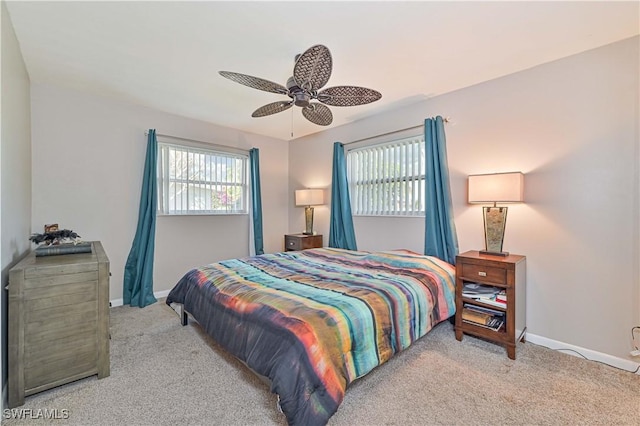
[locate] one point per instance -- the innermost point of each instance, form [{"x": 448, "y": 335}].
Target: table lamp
[
  {"x": 308, "y": 198},
  {"x": 495, "y": 188}
]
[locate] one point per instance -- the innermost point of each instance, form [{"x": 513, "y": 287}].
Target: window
[
  {"x": 388, "y": 179},
  {"x": 201, "y": 181}
]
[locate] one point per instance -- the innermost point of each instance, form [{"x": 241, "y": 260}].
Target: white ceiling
[{"x": 166, "y": 55}]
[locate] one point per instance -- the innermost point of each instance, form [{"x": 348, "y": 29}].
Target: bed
[{"x": 313, "y": 321}]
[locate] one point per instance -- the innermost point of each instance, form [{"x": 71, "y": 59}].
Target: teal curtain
[
  {"x": 256, "y": 200},
  {"x": 341, "y": 232},
  {"x": 138, "y": 271},
  {"x": 441, "y": 240}
]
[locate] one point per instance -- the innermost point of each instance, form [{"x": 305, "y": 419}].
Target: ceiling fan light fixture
[{"x": 301, "y": 99}]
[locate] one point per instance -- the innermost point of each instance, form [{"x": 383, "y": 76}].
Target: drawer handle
[
  {"x": 482, "y": 273},
  {"x": 291, "y": 243}
]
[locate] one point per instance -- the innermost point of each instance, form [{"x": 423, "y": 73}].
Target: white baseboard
[
  {"x": 157, "y": 294},
  {"x": 623, "y": 364}
]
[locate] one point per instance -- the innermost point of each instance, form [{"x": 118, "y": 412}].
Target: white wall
[
  {"x": 88, "y": 158},
  {"x": 15, "y": 166},
  {"x": 572, "y": 127}
]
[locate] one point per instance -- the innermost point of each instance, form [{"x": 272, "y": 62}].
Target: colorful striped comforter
[{"x": 314, "y": 321}]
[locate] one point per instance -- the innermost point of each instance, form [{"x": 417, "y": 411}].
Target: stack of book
[
  {"x": 482, "y": 316},
  {"x": 485, "y": 294}
]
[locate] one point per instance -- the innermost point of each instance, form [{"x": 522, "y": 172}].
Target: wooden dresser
[{"x": 58, "y": 321}]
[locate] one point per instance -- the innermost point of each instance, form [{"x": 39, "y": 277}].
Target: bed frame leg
[{"x": 184, "y": 317}]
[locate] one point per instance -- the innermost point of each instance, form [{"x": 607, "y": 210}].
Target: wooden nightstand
[
  {"x": 506, "y": 273},
  {"x": 293, "y": 242}
]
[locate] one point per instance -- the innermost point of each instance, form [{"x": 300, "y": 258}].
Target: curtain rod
[
  {"x": 225, "y": 147},
  {"x": 446, "y": 120}
]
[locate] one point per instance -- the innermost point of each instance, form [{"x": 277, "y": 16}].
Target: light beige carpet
[{"x": 166, "y": 374}]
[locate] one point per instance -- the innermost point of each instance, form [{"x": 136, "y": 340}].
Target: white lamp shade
[
  {"x": 309, "y": 197},
  {"x": 496, "y": 188}
]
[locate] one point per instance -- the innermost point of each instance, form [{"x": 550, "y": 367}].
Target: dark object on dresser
[
  {"x": 54, "y": 237},
  {"x": 58, "y": 249}
]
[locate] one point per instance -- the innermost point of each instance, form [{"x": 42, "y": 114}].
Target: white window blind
[
  {"x": 200, "y": 181},
  {"x": 388, "y": 179}
]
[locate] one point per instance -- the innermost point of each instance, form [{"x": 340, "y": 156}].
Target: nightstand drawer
[
  {"x": 292, "y": 243},
  {"x": 484, "y": 273},
  {"x": 295, "y": 242}
]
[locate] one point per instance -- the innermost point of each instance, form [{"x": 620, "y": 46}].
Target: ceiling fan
[{"x": 311, "y": 72}]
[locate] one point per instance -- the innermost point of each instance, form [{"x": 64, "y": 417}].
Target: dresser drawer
[
  {"x": 83, "y": 344},
  {"x": 484, "y": 273},
  {"x": 34, "y": 305},
  {"x": 60, "y": 367}
]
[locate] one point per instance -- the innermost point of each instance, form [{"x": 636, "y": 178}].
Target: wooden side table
[
  {"x": 508, "y": 273},
  {"x": 294, "y": 242}
]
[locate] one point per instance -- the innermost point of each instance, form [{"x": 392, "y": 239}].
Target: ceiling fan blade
[
  {"x": 348, "y": 96},
  {"x": 313, "y": 68},
  {"x": 318, "y": 114},
  {"x": 255, "y": 82},
  {"x": 272, "y": 108}
]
